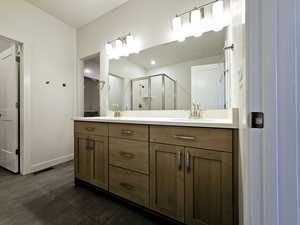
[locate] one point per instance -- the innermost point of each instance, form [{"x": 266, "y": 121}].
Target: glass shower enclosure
[{"x": 156, "y": 92}]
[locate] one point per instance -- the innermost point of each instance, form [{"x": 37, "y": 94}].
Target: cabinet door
[
  {"x": 83, "y": 158},
  {"x": 208, "y": 187},
  {"x": 91, "y": 159},
  {"x": 167, "y": 180},
  {"x": 99, "y": 149}
]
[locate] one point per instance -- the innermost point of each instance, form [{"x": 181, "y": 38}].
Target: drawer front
[
  {"x": 129, "y": 154},
  {"x": 91, "y": 128},
  {"x": 129, "y": 185},
  {"x": 129, "y": 131},
  {"x": 207, "y": 138}
]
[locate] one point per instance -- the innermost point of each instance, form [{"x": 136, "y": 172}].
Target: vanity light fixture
[
  {"x": 199, "y": 22},
  {"x": 122, "y": 46},
  {"x": 153, "y": 62}
]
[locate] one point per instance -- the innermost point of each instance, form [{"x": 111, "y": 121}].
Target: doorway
[
  {"x": 10, "y": 59},
  {"x": 91, "y": 74}
]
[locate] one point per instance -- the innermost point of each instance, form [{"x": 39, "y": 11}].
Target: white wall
[{"x": 49, "y": 54}]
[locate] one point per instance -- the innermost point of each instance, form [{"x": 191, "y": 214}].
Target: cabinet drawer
[
  {"x": 129, "y": 131},
  {"x": 130, "y": 185},
  {"x": 92, "y": 128},
  {"x": 129, "y": 154},
  {"x": 207, "y": 138}
]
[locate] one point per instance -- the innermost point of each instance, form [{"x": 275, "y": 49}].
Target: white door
[
  {"x": 8, "y": 110},
  {"x": 208, "y": 86}
]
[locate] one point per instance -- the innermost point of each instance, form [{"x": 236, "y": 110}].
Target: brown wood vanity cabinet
[
  {"x": 129, "y": 162},
  {"x": 184, "y": 173},
  {"x": 91, "y": 153},
  {"x": 192, "y": 184}
]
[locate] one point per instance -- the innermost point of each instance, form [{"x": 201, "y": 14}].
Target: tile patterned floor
[{"x": 50, "y": 198}]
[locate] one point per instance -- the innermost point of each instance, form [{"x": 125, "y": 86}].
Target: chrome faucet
[
  {"x": 116, "y": 109},
  {"x": 196, "y": 111}
]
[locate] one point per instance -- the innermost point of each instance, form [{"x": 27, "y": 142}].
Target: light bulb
[
  {"x": 125, "y": 50},
  {"x": 109, "y": 49},
  {"x": 130, "y": 43},
  {"x": 205, "y": 25},
  {"x": 119, "y": 48},
  {"x": 87, "y": 71},
  {"x": 136, "y": 46},
  {"x": 218, "y": 13},
  {"x": 218, "y": 8},
  {"x": 196, "y": 23},
  {"x": 177, "y": 24},
  {"x": 187, "y": 29},
  {"x": 180, "y": 37}
]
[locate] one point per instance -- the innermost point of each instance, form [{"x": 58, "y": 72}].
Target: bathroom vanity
[{"x": 181, "y": 169}]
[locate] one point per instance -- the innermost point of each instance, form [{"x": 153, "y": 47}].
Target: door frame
[
  {"x": 79, "y": 90},
  {"x": 271, "y": 182},
  {"x": 24, "y": 102}
]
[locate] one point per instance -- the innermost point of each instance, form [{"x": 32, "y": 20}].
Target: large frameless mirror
[{"x": 172, "y": 76}]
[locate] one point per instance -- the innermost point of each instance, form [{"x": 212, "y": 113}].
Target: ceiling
[
  {"x": 208, "y": 45},
  {"x": 77, "y": 12}
]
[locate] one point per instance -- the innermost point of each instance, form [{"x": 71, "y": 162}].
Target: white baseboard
[{"x": 44, "y": 165}]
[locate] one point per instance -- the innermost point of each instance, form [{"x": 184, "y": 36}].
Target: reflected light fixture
[
  {"x": 122, "y": 46},
  {"x": 200, "y": 20},
  {"x": 153, "y": 62}
]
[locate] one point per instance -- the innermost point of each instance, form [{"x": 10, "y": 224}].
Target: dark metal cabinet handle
[
  {"x": 185, "y": 138},
  {"x": 127, "y": 132},
  {"x": 127, "y": 155},
  {"x": 188, "y": 166},
  {"x": 127, "y": 186},
  {"x": 179, "y": 159}
]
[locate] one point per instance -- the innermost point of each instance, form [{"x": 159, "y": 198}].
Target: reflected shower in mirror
[{"x": 172, "y": 76}]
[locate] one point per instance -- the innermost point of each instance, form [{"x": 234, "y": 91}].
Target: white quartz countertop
[{"x": 212, "y": 123}]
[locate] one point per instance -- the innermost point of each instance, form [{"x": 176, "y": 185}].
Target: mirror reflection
[{"x": 172, "y": 76}]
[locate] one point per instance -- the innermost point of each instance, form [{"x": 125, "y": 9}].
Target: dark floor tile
[{"x": 51, "y": 198}]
